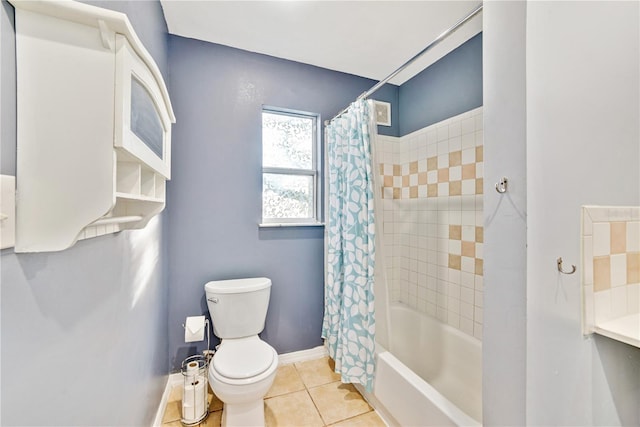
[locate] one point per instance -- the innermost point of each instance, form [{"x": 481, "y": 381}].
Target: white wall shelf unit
[{"x": 94, "y": 126}]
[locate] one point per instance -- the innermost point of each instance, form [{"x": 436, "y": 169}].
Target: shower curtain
[{"x": 349, "y": 323}]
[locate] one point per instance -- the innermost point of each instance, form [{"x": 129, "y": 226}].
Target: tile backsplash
[
  {"x": 432, "y": 186},
  {"x": 611, "y": 263}
]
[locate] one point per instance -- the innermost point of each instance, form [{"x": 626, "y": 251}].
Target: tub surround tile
[
  {"x": 337, "y": 401},
  {"x": 633, "y": 267},
  {"x": 433, "y": 219}
]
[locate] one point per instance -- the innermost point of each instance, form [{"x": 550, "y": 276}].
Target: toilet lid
[{"x": 243, "y": 358}]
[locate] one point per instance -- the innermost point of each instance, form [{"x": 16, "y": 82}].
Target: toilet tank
[{"x": 238, "y": 307}]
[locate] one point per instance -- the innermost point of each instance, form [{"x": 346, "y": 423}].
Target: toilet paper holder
[
  {"x": 195, "y": 402},
  {"x": 191, "y": 334}
]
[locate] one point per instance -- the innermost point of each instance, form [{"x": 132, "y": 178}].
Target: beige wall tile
[
  {"x": 413, "y": 167},
  {"x": 455, "y": 232},
  {"x": 413, "y": 192},
  {"x": 293, "y": 409},
  {"x": 479, "y": 184},
  {"x": 601, "y": 273},
  {"x": 337, "y": 402},
  {"x": 432, "y": 164},
  {"x": 618, "y": 237},
  {"x": 317, "y": 372},
  {"x": 633, "y": 267},
  {"x": 479, "y": 154},
  {"x": 443, "y": 175},
  {"x": 469, "y": 249},
  {"x": 388, "y": 181},
  {"x": 469, "y": 171},
  {"x": 432, "y": 190},
  {"x": 405, "y": 180},
  {"x": 455, "y": 188},
  {"x": 397, "y": 170},
  {"x": 396, "y": 193},
  {"x": 422, "y": 178},
  {"x": 479, "y": 267},
  {"x": 455, "y": 158},
  {"x": 479, "y": 235},
  {"x": 455, "y": 261}
]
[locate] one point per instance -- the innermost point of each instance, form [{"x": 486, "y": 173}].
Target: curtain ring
[{"x": 573, "y": 267}]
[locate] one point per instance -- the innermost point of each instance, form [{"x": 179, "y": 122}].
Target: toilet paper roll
[
  {"x": 193, "y": 369},
  {"x": 194, "y": 329},
  {"x": 194, "y": 400}
]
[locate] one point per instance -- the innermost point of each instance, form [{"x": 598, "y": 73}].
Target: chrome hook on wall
[
  {"x": 501, "y": 187},
  {"x": 573, "y": 267}
]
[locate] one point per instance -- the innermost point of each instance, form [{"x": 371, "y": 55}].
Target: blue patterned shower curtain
[{"x": 349, "y": 322}]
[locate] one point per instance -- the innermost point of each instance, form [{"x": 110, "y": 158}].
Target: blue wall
[
  {"x": 83, "y": 331},
  {"x": 214, "y": 197},
  {"x": 447, "y": 88}
]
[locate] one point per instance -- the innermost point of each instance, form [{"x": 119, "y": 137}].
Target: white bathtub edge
[{"x": 441, "y": 404}]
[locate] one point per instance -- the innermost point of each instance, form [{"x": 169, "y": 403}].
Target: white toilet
[{"x": 243, "y": 367}]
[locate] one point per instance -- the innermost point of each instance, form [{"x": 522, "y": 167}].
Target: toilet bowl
[
  {"x": 243, "y": 367},
  {"x": 241, "y": 373}
]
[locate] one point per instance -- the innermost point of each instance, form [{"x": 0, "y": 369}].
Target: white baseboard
[
  {"x": 283, "y": 359},
  {"x": 302, "y": 355}
]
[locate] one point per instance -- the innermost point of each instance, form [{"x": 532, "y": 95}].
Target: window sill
[{"x": 290, "y": 224}]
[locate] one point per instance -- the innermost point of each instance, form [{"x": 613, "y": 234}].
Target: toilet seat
[
  {"x": 244, "y": 358},
  {"x": 243, "y": 361}
]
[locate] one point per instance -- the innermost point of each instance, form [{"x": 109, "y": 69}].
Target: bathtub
[{"x": 432, "y": 376}]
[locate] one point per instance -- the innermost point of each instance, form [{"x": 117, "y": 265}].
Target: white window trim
[{"x": 316, "y": 173}]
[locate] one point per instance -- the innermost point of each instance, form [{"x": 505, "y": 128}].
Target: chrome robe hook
[
  {"x": 501, "y": 187},
  {"x": 573, "y": 267}
]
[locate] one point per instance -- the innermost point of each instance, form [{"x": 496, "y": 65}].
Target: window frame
[{"x": 315, "y": 172}]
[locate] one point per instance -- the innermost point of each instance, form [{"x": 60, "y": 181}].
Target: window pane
[
  {"x": 287, "y": 141},
  {"x": 287, "y": 196}
]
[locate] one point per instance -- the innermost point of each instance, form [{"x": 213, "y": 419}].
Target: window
[{"x": 290, "y": 190}]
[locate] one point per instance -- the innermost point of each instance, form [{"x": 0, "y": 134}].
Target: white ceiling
[{"x": 366, "y": 38}]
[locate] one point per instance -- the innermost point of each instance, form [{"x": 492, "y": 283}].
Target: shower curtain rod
[{"x": 435, "y": 42}]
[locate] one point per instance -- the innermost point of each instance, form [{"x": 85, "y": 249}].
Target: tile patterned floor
[{"x": 304, "y": 394}]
